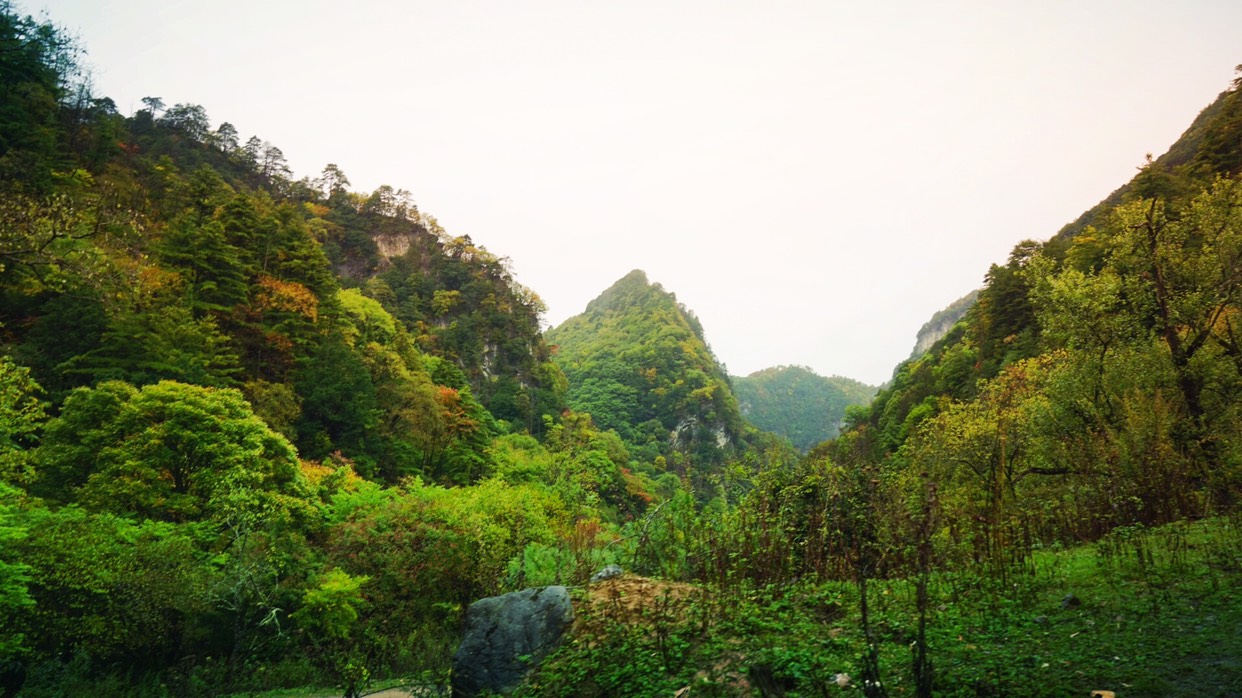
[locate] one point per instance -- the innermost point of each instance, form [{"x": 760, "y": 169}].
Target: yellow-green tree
[{"x": 168, "y": 451}]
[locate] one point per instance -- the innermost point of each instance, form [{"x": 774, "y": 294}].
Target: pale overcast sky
[{"x": 813, "y": 179}]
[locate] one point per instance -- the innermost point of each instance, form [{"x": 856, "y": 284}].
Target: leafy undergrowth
[
  {"x": 418, "y": 686},
  {"x": 1145, "y": 612}
]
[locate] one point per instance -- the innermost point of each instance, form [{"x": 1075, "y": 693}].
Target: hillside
[
  {"x": 229, "y": 399},
  {"x": 636, "y": 360},
  {"x": 1028, "y": 296},
  {"x": 797, "y": 403},
  {"x": 180, "y": 253},
  {"x": 1209, "y": 145}
]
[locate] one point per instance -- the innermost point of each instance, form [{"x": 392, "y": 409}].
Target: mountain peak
[
  {"x": 635, "y": 276},
  {"x": 636, "y": 361},
  {"x": 628, "y": 291}
]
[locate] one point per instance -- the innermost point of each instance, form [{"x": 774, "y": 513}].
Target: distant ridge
[{"x": 799, "y": 404}]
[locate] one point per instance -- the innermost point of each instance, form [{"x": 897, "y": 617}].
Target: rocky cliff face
[
  {"x": 940, "y": 323},
  {"x": 392, "y": 245}
]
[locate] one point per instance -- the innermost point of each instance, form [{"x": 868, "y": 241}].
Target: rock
[
  {"x": 1070, "y": 601},
  {"x": 507, "y": 636},
  {"x": 607, "y": 573},
  {"x": 1041, "y": 620}
]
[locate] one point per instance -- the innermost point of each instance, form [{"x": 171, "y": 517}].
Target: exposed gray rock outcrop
[
  {"x": 507, "y": 636},
  {"x": 943, "y": 321}
]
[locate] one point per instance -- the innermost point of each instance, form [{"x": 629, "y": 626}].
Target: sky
[{"x": 814, "y": 179}]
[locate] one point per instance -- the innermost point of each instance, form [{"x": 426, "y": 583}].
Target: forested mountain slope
[
  {"x": 636, "y": 360},
  {"x": 249, "y": 423},
  {"x": 797, "y": 403},
  {"x": 155, "y": 247},
  {"x": 1091, "y": 353},
  {"x": 1210, "y": 144}
]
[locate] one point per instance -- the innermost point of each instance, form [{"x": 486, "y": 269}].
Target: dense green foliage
[
  {"x": 797, "y": 403},
  {"x": 258, "y": 433},
  {"x": 200, "y": 355},
  {"x": 181, "y": 254}
]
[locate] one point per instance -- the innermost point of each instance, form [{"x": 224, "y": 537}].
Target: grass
[
  {"x": 321, "y": 692},
  {"x": 1153, "y": 613}
]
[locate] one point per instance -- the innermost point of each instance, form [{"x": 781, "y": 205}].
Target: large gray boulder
[{"x": 507, "y": 636}]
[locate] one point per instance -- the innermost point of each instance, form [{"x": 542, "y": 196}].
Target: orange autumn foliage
[{"x": 288, "y": 296}]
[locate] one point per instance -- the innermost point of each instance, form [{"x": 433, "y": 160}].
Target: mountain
[
  {"x": 637, "y": 361},
  {"x": 459, "y": 301},
  {"x": 155, "y": 247},
  {"x": 797, "y": 403}
]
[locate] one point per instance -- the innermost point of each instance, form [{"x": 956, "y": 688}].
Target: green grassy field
[
  {"x": 1153, "y": 613},
  {"x": 1145, "y": 612}
]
